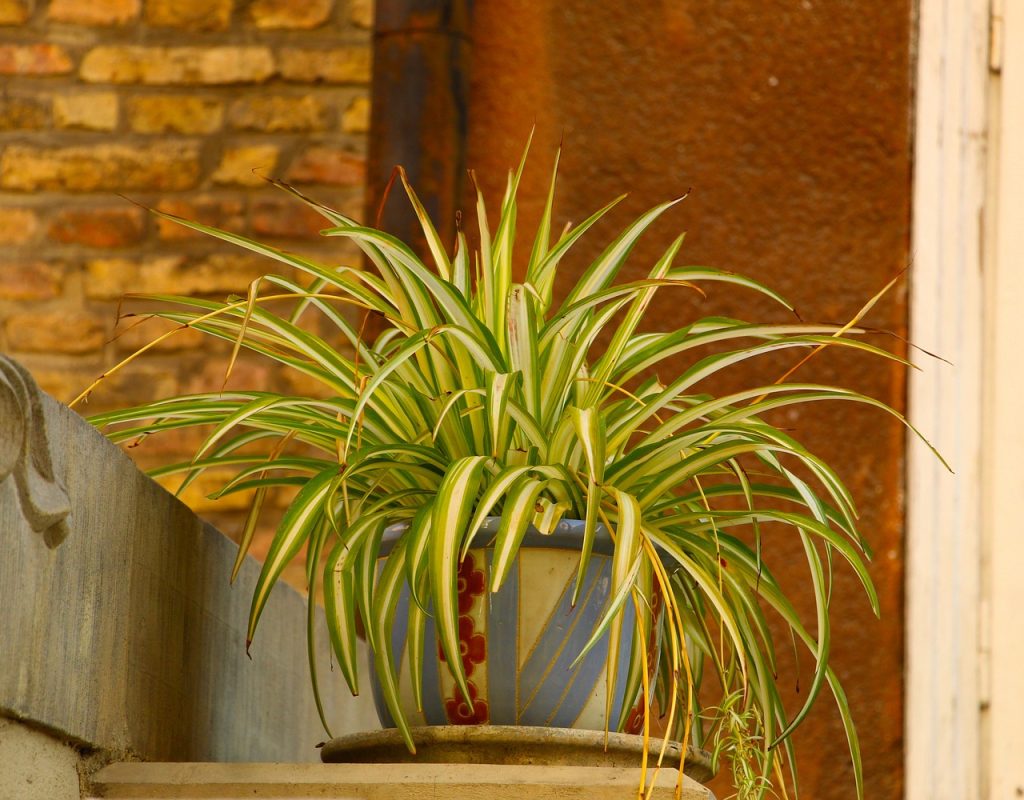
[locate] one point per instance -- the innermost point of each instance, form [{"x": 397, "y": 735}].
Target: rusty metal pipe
[{"x": 421, "y": 53}]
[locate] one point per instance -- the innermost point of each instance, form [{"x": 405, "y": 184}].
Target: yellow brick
[
  {"x": 63, "y": 384},
  {"x": 175, "y": 113},
  {"x": 237, "y": 165},
  {"x": 329, "y": 165},
  {"x": 356, "y": 118},
  {"x": 93, "y": 12},
  {"x": 102, "y": 167},
  {"x": 18, "y": 225},
  {"x": 339, "y": 65},
  {"x": 13, "y": 12},
  {"x": 100, "y": 226},
  {"x": 160, "y": 335},
  {"x": 277, "y": 113},
  {"x": 21, "y": 113},
  {"x": 34, "y": 59},
  {"x": 224, "y": 213},
  {"x": 93, "y": 111},
  {"x": 111, "y": 278},
  {"x": 219, "y": 274},
  {"x": 108, "y": 278},
  {"x": 30, "y": 280},
  {"x": 141, "y": 382},
  {"x": 196, "y": 15},
  {"x": 55, "y": 332},
  {"x": 163, "y": 66},
  {"x": 361, "y": 12},
  {"x": 268, "y": 14},
  {"x": 249, "y": 372}
]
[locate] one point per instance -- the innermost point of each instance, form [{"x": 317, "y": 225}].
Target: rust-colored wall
[{"x": 790, "y": 120}]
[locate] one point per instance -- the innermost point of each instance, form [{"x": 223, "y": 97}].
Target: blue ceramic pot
[{"x": 518, "y": 644}]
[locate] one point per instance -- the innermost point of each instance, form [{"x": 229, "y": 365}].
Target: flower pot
[
  {"x": 519, "y": 644},
  {"x": 522, "y": 746}
]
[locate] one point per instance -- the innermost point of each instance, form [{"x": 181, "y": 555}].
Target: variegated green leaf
[
  {"x": 365, "y": 568},
  {"x": 417, "y": 554},
  {"x": 516, "y": 517},
  {"x": 302, "y": 516},
  {"x": 522, "y": 346},
  {"x": 589, "y": 426},
  {"x": 313, "y": 551},
  {"x": 415, "y": 646},
  {"x": 498, "y": 421},
  {"x": 542, "y": 243},
  {"x": 627, "y": 562},
  {"x": 593, "y": 512},
  {"x": 548, "y": 514},
  {"x": 641, "y": 637},
  {"x": 604, "y": 269},
  {"x": 380, "y": 619},
  {"x": 340, "y": 608},
  {"x": 452, "y": 506},
  {"x": 444, "y": 267},
  {"x": 498, "y": 488}
]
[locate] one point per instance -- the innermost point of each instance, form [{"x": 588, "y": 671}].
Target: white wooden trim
[
  {"x": 1002, "y": 475},
  {"x": 943, "y": 535}
]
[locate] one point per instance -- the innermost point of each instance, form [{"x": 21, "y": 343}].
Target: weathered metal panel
[{"x": 420, "y": 111}]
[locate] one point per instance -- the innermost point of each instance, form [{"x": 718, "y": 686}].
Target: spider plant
[{"x": 485, "y": 396}]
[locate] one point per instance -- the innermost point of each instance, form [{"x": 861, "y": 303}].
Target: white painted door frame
[
  {"x": 965, "y": 554},
  {"x": 1002, "y": 621}
]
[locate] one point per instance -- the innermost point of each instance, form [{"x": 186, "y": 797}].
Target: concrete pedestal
[{"x": 384, "y": 782}]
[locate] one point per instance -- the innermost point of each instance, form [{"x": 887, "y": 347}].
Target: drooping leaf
[
  {"x": 452, "y": 506},
  {"x": 302, "y": 516}
]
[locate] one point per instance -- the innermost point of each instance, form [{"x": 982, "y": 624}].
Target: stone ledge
[
  {"x": 123, "y": 633},
  {"x": 35, "y": 766},
  {"x": 132, "y": 781}
]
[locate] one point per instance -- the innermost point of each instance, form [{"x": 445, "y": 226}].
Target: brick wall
[{"x": 178, "y": 105}]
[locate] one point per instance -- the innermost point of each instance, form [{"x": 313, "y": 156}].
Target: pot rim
[
  {"x": 442, "y": 743},
  {"x": 567, "y": 535}
]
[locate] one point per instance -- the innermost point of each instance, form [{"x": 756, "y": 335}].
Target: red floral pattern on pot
[
  {"x": 635, "y": 721},
  {"x": 470, "y": 583},
  {"x": 459, "y": 711},
  {"x": 472, "y": 646}
]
